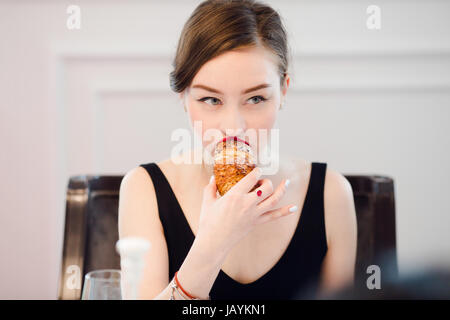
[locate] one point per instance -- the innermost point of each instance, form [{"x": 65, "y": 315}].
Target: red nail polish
[{"x": 259, "y": 193}]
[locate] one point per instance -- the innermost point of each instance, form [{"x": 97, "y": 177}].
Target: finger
[
  {"x": 277, "y": 213},
  {"x": 210, "y": 190},
  {"x": 248, "y": 182},
  {"x": 264, "y": 190},
  {"x": 271, "y": 201}
]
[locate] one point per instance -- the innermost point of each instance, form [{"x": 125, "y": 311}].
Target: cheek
[
  {"x": 264, "y": 119},
  {"x": 202, "y": 123},
  {"x": 195, "y": 115}
]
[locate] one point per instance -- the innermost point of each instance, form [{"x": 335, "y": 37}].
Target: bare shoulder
[
  {"x": 337, "y": 189},
  {"x": 139, "y": 217},
  {"x": 137, "y": 180},
  {"x": 340, "y": 215},
  {"x": 138, "y": 207},
  {"x": 139, "y": 184}
]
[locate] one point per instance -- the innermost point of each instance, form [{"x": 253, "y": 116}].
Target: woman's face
[{"x": 236, "y": 92}]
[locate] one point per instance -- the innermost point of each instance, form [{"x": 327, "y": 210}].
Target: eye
[
  {"x": 214, "y": 100},
  {"x": 258, "y": 99}
]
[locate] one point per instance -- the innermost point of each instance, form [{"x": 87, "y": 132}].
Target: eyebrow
[{"x": 260, "y": 86}]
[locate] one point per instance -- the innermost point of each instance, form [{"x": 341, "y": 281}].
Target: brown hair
[{"x": 217, "y": 26}]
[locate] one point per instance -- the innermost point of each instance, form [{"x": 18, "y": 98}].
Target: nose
[{"x": 232, "y": 123}]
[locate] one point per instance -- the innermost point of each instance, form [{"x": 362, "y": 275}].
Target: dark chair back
[{"x": 91, "y": 229}]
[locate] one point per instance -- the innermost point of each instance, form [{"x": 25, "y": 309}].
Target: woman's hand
[{"x": 226, "y": 220}]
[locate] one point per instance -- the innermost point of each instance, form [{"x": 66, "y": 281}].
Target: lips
[{"x": 235, "y": 139}]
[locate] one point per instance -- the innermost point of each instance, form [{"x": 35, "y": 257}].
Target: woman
[{"x": 298, "y": 236}]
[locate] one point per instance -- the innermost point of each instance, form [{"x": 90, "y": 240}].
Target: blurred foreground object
[{"x": 132, "y": 252}]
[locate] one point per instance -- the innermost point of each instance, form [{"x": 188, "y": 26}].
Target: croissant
[{"x": 233, "y": 160}]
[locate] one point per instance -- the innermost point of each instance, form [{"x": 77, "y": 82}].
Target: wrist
[
  {"x": 201, "y": 267},
  {"x": 211, "y": 250}
]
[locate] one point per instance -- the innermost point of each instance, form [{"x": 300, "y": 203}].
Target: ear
[
  {"x": 285, "y": 84},
  {"x": 285, "y": 87}
]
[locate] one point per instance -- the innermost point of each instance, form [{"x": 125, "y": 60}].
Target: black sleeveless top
[{"x": 294, "y": 276}]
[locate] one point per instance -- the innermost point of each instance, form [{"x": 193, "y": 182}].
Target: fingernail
[
  {"x": 286, "y": 184},
  {"x": 211, "y": 179},
  {"x": 293, "y": 209}
]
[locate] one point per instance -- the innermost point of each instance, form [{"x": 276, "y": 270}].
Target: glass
[{"x": 102, "y": 285}]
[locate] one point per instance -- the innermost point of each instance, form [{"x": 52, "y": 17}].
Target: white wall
[{"x": 97, "y": 100}]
